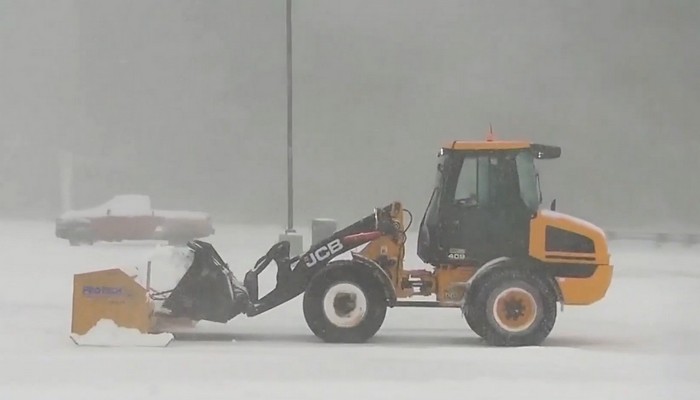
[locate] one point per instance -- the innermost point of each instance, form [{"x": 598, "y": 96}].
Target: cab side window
[
  {"x": 466, "y": 190},
  {"x": 504, "y": 182}
]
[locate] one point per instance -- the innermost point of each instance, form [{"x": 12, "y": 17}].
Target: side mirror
[
  {"x": 553, "y": 206},
  {"x": 545, "y": 152}
]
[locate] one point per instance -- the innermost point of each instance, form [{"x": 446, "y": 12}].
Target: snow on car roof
[
  {"x": 128, "y": 205},
  {"x": 121, "y": 205}
]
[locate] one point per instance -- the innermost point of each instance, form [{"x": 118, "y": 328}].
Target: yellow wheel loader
[{"x": 494, "y": 253}]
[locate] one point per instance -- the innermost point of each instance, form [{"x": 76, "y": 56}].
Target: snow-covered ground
[{"x": 640, "y": 342}]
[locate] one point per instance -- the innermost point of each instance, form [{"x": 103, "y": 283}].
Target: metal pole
[{"x": 290, "y": 190}]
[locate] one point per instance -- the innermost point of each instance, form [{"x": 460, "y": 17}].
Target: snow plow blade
[
  {"x": 111, "y": 308},
  {"x": 114, "y": 308}
]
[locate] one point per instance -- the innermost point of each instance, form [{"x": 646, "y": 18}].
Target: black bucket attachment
[{"x": 208, "y": 290}]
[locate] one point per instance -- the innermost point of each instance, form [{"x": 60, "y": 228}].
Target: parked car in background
[{"x": 131, "y": 217}]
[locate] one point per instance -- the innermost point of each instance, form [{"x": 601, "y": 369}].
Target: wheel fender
[
  {"x": 498, "y": 263},
  {"x": 367, "y": 265},
  {"x": 379, "y": 273},
  {"x": 557, "y": 289}
]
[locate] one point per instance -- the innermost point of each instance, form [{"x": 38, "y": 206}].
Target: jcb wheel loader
[{"x": 496, "y": 255}]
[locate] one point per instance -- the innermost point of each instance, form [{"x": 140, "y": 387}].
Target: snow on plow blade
[{"x": 113, "y": 308}]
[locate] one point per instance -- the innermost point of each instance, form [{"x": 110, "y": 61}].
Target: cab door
[
  {"x": 466, "y": 233},
  {"x": 452, "y": 229}
]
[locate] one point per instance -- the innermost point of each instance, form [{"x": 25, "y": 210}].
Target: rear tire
[
  {"x": 474, "y": 325},
  {"x": 344, "y": 305},
  {"x": 513, "y": 307}
]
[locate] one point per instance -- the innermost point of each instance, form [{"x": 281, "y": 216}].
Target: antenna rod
[{"x": 489, "y": 138}]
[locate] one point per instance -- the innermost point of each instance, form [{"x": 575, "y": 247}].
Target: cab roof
[
  {"x": 541, "y": 151},
  {"x": 486, "y": 145}
]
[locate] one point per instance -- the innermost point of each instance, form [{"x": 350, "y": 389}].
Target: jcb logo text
[{"x": 323, "y": 253}]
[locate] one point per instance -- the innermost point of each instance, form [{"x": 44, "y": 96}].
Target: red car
[{"x": 131, "y": 217}]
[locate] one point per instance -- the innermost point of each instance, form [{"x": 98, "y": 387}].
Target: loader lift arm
[{"x": 294, "y": 274}]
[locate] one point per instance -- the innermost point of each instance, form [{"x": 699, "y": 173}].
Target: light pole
[
  {"x": 295, "y": 240},
  {"x": 290, "y": 187}
]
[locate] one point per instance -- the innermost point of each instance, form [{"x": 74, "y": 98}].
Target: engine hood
[{"x": 558, "y": 237}]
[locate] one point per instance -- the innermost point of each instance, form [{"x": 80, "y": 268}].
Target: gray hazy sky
[{"x": 186, "y": 101}]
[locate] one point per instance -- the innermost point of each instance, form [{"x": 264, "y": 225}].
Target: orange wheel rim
[{"x": 515, "y": 309}]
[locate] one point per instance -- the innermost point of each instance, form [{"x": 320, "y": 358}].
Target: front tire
[
  {"x": 344, "y": 305},
  {"x": 513, "y": 307}
]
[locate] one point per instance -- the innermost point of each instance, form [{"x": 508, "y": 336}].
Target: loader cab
[{"x": 484, "y": 196}]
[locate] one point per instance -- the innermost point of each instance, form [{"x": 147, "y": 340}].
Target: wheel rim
[
  {"x": 515, "y": 309},
  {"x": 345, "y": 305}
]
